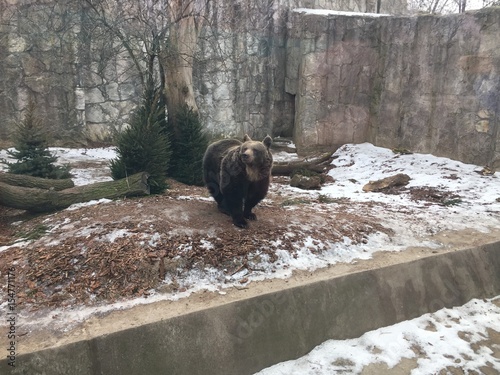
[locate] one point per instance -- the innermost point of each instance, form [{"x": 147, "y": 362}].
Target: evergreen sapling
[
  {"x": 31, "y": 150},
  {"x": 144, "y": 146},
  {"x": 188, "y": 148}
]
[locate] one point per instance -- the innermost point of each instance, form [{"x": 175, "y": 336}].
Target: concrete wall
[
  {"x": 245, "y": 336},
  {"x": 430, "y": 84}
]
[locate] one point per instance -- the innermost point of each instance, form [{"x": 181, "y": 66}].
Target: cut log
[
  {"x": 318, "y": 164},
  {"x": 40, "y": 200},
  {"x": 35, "y": 182},
  {"x": 399, "y": 179}
]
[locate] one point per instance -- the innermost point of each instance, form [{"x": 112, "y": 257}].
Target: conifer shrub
[
  {"x": 144, "y": 146},
  {"x": 32, "y": 155},
  {"x": 188, "y": 146}
]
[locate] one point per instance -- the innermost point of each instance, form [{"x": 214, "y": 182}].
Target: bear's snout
[{"x": 246, "y": 157}]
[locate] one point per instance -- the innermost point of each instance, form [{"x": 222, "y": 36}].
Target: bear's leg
[
  {"x": 234, "y": 204},
  {"x": 214, "y": 191},
  {"x": 212, "y": 182},
  {"x": 256, "y": 192},
  {"x": 249, "y": 205},
  {"x": 222, "y": 206}
]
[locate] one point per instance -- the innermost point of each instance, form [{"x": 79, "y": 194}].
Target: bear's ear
[
  {"x": 246, "y": 138},
  {"x": 267, "y": 141}
]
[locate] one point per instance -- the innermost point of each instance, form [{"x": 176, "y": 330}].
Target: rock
[
  {"x": 347, "y": 91},
  {"x": 397, "y": 180},
  {"x": 306, "y": 182},
  {"x": 486, "y": 171}
]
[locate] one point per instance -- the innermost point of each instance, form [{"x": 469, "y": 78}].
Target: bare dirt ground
[
  {"x": 103, "y": 253},
  {"x": 99, "y": 254},
  {"x": 82, "y": 256}
]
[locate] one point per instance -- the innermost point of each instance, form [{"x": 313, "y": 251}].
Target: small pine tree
[
  {"x": 188, "y": 148},
  {"x": 144, "y": 146},
  {"x": 32, "y": 153}
]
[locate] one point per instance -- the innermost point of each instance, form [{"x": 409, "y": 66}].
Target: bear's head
[{"x": 257, "y": 157}]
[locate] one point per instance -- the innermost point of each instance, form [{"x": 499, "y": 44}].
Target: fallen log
[
  {"x": 399, "y": 179},
  {"x": 35, "y": 182},
  {"x": 318, "y": 164},
  {"x": 41, "y": 200}
]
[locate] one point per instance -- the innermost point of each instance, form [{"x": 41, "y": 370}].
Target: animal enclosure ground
[
  {"x": 170, "y": 245},
  {"x": 106, "y": 252}
]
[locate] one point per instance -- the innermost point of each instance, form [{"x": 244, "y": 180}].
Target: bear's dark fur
[{"x": 237, "y": 175}]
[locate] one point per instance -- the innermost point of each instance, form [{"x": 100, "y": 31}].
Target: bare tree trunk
[
  {"x": 35, "y": 182},
  {"x": 42, "y": 200},
  {"x": 463, "y": 5},
  {"x": 178, "y": 57}
]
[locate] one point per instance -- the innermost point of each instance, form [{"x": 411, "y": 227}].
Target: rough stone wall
[
  {"x": 437, "y": 87},
  {"x": 38, "y": 63},
  {"x": 108, "y": 87},
  {"x": 429, "y": 84},
  {"x": 84, "y": 88},
  {"x": 85, "y": 84},
  {"x": 240, "y": 70}
]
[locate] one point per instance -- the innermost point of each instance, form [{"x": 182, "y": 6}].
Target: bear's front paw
[
  {"x": 242, "y": 223},
  {"x": 250, "y": 216}
]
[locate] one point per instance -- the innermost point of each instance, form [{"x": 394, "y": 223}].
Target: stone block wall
[
  {"x": 86, "y": 87},
  {"x": 240, "y": 70},
  {"x": 35, "y": 61},
  {"x": 430, "y": 84}
]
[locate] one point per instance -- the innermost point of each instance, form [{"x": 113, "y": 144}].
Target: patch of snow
[
  {"x": 68, "y": 155},
  {"x": 117, "y": 233},
  {"x": 185, "y": 197},
  {"x": 194, "y": 197},
  {"x": 207, "y": 245},
  {"x": 64, "y": 224},
  {"x": 72, "y": 156},
  {"x": 442, "y": 338},
  {"x": 86, "y": 176},
  {"x": 283, "y": 156},
  {"x": 77, "y": 206},
  {"x": 153, "y": 240},
  {"x": 15, "y": 244},
  {"x": 327, "y": 12}
]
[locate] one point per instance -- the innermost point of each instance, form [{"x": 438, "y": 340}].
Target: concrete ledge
[{"x": 245, "y": 336}]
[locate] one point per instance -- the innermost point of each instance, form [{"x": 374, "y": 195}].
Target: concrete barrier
[{"x": 245, "y": 336}]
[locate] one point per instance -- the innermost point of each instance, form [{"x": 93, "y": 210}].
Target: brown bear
[{"x": 237, "y": 174}]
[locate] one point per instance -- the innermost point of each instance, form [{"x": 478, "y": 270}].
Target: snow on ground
[
  {"x": 436, "y": 341},
  {"x": 82, "y": 174},
  {"x": 413, "y": 222},
  {"x": 439, "y": 337},
  {"x": 478, "y": 207},
  {"x": 98, "y": 160},
  {"x": 366, "y": 162}
]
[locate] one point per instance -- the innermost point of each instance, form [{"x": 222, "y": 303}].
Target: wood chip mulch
[{"x": 93, "y": 269}]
